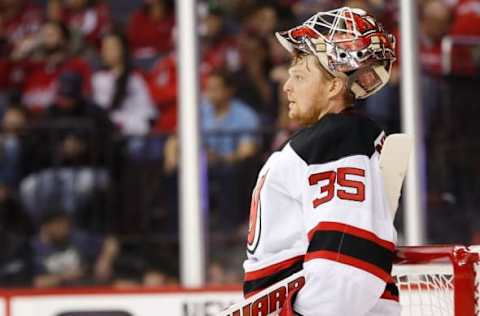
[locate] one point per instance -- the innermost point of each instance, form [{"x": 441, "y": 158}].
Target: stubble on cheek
[{"x": 291, "y": 115}]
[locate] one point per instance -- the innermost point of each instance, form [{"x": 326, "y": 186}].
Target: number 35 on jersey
[{"x": 345, "y": 183}]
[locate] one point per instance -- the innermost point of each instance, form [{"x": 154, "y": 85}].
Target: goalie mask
[{"x": 348, "y": 41}]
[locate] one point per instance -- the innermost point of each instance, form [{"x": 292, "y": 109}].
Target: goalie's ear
[
  {"x": 393, "y": 165},
  {"x": 338, "y": 87}
]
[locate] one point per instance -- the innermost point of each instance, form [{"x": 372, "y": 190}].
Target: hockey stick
[
  {"x": 269, "y": 301},
  {"x": 393, "y": 165}
]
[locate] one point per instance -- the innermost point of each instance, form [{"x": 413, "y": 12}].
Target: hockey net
[{"x": 438, "y": 280}]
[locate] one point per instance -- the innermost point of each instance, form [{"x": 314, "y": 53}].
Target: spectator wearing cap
[
  {"x": 69, "y": 99},
  {"x": 65, "y": 256},
  {"x": 86, "y": 120},
  {"x": 70, "y": 104},
  {"x": 70, "y": 166}
]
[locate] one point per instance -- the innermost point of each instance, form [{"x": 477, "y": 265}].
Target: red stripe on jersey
[
  {"x": 269, "y": 270},
  {"x": 351, "y": 261},
  {"x": 389, "y": 296},
  {"x": 355, "y": 231}
]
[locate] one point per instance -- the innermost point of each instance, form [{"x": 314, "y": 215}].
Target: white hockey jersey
[{"x": 319, "y": 205}]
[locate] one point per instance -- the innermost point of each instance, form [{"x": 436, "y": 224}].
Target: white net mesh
[{"x": 425, "y": 289}]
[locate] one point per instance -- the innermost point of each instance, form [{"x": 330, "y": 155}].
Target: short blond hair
[{"x": 299, "y": 56}]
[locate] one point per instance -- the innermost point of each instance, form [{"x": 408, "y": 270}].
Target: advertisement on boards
[{"x": 178, "y": 304}]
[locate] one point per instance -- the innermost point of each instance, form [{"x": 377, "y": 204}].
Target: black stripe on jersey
[
  {"x": 354, "y": 247},
  {"x": 262, "y": 283},
  {"x": 336, "y": 136},
  {"x": 391, "y": 292},
  {"x": 392, "y": 289}
]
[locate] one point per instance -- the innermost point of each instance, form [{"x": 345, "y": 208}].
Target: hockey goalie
[{"x": 320, "y": 209}]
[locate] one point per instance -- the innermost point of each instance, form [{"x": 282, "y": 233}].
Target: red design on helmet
[{"x": 349, "y": 41}]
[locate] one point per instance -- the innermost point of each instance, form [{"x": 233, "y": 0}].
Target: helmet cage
[{"x": 346, "y": 40}]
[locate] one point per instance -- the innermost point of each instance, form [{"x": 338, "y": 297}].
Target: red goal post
[{"x": 438, "y": 280}]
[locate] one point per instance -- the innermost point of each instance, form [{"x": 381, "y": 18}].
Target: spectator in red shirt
[
  {"x": 149, "y": 30},
  {"x": 19, "y": 21},
  {"x": 219, "y": 50},
  {"x": 465, "y": 60},
  {"x": 466, "y": 17},
  {"x": 88, "y": 20},
  {"x": 435, "y": 24},
  {"x": 162, "y": 82},
  {"x": 40, "y": 66}
]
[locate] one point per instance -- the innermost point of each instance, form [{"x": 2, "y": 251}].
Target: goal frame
[{"x": 462, "y": 261}]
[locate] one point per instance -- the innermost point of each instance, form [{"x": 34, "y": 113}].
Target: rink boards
[
  {"x": 118, "y": 303},
  {"x": 174, "y": 303}
]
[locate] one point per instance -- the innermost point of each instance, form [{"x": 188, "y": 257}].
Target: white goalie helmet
[{"x": 348, "y": 41}]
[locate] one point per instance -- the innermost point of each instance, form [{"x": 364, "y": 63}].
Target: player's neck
[{"x": 334, "y": 107}]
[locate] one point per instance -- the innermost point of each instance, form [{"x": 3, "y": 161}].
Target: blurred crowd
[{"x": 88, "y": 112}]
